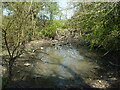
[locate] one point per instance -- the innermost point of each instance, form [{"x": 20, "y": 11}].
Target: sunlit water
[{"x": 62, "y": 66}]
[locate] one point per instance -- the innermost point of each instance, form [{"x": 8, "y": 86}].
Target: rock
[
  {"x": 113, "y": 78},
  {"x": 41, "y": 48},
  {"x": 27, "y": 64},
  {"x": 2, "y": 70},
  {"x": 100, "y": 84}
]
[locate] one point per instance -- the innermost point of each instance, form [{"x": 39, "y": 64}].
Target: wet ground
[{"x": 62, "y": 65}]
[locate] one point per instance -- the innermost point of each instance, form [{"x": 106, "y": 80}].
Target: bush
[{"x": 50, "y": 30}]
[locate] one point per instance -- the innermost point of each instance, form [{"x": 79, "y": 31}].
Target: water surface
[{"x": 63, "y": 66}]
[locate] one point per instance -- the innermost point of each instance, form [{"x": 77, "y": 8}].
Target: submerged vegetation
[{"x": 28, "y": 28}]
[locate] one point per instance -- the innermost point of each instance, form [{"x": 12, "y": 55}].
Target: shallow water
[{"x": 63, "y": 66}]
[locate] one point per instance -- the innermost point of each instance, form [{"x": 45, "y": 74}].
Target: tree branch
[
  {"x": 6, "y": 43},
  {"x": 15, "y": 49}
]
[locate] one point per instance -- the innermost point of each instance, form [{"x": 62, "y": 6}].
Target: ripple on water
[{"x": 64, "y": 62}]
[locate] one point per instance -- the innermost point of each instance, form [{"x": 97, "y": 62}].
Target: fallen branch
[
  {"x": 114, "y": 64},
  {"x": 106, "y": 53}
]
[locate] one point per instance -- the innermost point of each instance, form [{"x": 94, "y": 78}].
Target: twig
[
  {"x": 106, "y": 53},
  {"x": 114, "y": 64},
  {"x": 15, "y": 49},
  {"x": 6, "y": 43}
]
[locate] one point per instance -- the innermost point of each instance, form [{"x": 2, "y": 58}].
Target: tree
[
  {"x": 98, "y": 23},
  {"x": 52, "y": 9},
  {"x": 49, "y": 26},
  {"x": 16, "y": 29}
]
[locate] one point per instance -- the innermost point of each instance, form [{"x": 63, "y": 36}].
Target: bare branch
[
  {"x": 15, "y": 49},
  {"x": 6, "y": 43}
]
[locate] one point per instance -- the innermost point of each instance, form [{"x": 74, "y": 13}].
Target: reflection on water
[{"x": 62, "y": 64}]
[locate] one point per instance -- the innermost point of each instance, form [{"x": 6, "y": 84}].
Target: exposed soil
[{"x": 109, "y": 79}]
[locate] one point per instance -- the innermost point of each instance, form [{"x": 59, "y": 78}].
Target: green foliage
[
  {"x": 51, "y": 29},
  {"x": 62, "y": 24},
  {"x": 22, "y": 22},
  {"x": 17, "y": 28},
  {"x": 52, "y": 8},
  {"x": 103, "y": 20},
  {"x": 64, "y": 27}
]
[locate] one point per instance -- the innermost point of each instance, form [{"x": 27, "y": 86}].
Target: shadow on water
[
  {"x": 59, "y": 81},
  {"x": 64, "y": 68},
  {"x": 24, "y": 78},
  {"x": 70, "y": 81},
  {"x": 56, "y": 81}
]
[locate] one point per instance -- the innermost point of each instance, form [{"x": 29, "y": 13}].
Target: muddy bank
[
  {"x": 62, "y": 37},
  {"x": 54, "y": 63}
]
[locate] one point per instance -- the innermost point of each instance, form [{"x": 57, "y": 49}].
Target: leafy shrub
[{"x": 51, "y": 29}]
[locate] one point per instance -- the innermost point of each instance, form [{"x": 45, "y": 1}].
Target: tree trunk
[
  {"x": 51, "y": 16},
  {"x": 10, "y": 69}
]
